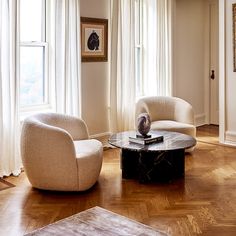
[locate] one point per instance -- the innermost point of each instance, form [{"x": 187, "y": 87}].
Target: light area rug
[{"x": 97, "y": 221}]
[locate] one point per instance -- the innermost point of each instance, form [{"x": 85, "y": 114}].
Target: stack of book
[{"x": 139, "y": 139}]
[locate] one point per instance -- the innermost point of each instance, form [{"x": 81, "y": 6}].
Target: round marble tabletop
[{"x": 171, "y": 141}]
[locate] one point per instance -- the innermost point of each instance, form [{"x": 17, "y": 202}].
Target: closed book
[{"x": 145, "y": 141}]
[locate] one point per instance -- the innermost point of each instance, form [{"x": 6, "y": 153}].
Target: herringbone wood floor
[{"x": 202, "y": 203}]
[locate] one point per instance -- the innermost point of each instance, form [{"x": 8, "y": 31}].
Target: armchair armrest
[{"x": 184, "y": 112}]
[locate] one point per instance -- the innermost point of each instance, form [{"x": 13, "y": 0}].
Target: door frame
[
  {"x": 222, "y": 66},
  {"x": 222, "y": 73},
  {"x": 207, "y": 62}
]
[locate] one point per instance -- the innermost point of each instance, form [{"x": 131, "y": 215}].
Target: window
[
  {"x": 153, "y": 47},
  {"x": 33, "y": 55}
]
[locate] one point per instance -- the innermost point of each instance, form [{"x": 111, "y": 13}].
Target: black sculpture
[{"x": 93, "y": 41}]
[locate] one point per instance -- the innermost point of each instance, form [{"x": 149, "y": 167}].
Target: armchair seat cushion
[
  {"x": 85, "y": 148},
  {"x": 174, "y": 126},
  {"x": 89, "y": 161}
]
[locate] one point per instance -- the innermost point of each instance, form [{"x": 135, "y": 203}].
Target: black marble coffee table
[{"x": 161, "y": 161}]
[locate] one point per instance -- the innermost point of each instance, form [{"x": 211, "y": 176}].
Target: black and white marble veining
[
  {"x": 154, "y": 162},
  {"x": 172, "y": 141}
]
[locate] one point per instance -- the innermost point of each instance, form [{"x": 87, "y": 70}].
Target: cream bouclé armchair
[
  {"x": 57, "y": 153},
  {"x": 168, "y": 113}
]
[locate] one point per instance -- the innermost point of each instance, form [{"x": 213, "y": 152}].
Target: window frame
[
  {"x": 46, "y": 105},
  {"x": 46, "y": 102}
]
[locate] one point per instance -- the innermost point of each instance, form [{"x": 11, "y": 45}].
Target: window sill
[{"x": 25, "y": 112}]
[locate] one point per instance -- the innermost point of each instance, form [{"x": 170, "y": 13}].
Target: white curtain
[
  {"x": 156, "y": 57},
  {"x": 65, "y": 59},
  {"x": 157, "y": 47},
  {"x": 122, "y": 70},
  {"x": 10, "y": 161}
]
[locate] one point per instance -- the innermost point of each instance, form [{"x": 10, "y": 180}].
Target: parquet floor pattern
[{"x": 202, "y": 203}]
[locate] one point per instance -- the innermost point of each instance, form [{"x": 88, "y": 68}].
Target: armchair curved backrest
[{"x": 168, "y": 113}]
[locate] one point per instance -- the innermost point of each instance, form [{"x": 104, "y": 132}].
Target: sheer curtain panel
[
  {"x": 157, "y": 47},
  {"x": 10, "y": 161},
  {"x": 63, "y": 34},
  {"x": 122, "y": 70},
  {"x": 144, "y": 26}
]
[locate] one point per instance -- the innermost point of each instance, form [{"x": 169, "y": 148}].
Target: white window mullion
[
  {"x": 141, "y": 46},
  {"x": 138, "y": 48}
]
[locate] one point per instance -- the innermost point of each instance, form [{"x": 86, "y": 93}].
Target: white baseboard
[
  {"x": 101, "y": 135},
  {"x": 230, "y": 138},
  {"x": 200, "y": 119}
]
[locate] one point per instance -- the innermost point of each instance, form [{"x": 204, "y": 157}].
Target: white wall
[
  {"x": 229, "y": 80},
  {"x": 189, "y": 66},
  {"x": 95, "y": 77},
  {"x": 189, "y": 55}
]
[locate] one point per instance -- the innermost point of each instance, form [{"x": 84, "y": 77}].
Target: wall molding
[
  {"x": 100, "y": 135},
  {"x": 200, "y": 119},
  {"x": 103, "y": 138},
  {"x": 230, "y": 138}
]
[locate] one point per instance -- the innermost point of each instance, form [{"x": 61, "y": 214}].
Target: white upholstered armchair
[
  {"x": 57, "y": 153},
  {"x": 168, "y": 113}
]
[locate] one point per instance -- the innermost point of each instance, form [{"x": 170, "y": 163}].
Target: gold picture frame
[
  {"x": 234, "y": 36},
  {"x": 94, "y": 36}
]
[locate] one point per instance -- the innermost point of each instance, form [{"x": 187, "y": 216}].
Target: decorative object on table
[
  {"x": 154, "y": 138},
  {"x": 96, "y": 221},
  {"x": 94, "y": 35},
  {"x": 143, "y": 124}
]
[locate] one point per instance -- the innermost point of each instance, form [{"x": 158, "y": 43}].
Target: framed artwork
[
  {"x": 94, "y": 34},
  {"x": 234, "y": 36}
]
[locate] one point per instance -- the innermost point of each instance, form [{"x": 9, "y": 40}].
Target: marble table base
[{"x": 155, "y": 166}]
